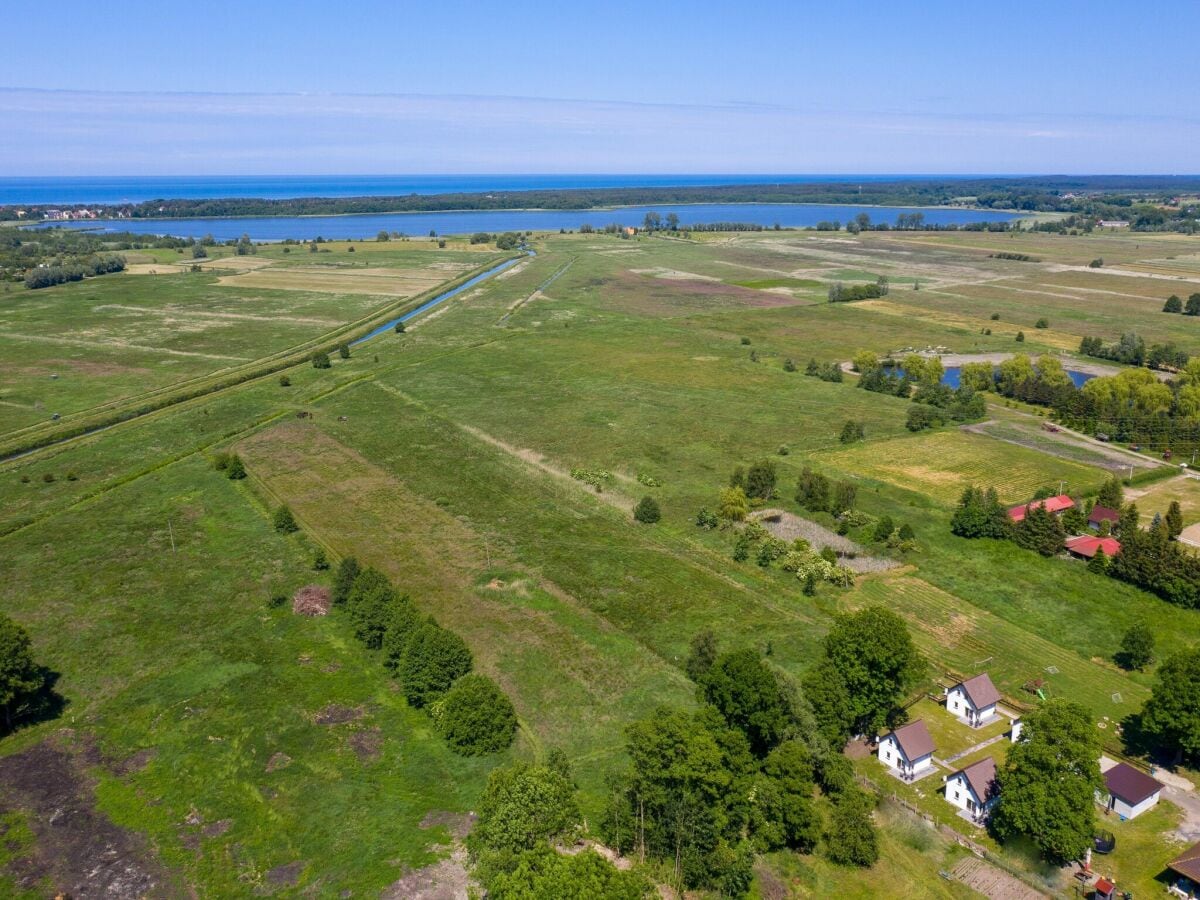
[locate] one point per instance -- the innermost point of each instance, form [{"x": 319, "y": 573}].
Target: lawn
[
  {"x": 950, "y": 736},
  {"x": 963, "y": 640},
  {"x": 941, "y": 464},
  {"x": 1157, "y": 498}
]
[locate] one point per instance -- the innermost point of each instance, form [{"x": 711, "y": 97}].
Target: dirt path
[
  {"x": 78, "y": 848},
  {"x": 446, "y": 879},
  {"x": 1118, "y": 459}
]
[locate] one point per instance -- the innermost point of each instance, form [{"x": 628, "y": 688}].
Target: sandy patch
[
  {"x": 673, "y": 274},
  {"x": 786, "y": 526}
]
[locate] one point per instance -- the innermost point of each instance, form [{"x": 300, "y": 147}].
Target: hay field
[
  {"x": 76, "y": 346},
  {"x": 939, "y": 465}
]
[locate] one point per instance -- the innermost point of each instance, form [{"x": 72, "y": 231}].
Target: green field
[{"x": 443, "y": 458}]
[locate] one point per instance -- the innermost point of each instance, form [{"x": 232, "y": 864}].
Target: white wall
[
  {"x": 958, "y": 784},
  {"x": 1121, "y": 808}
]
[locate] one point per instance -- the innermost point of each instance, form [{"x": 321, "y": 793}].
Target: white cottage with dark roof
[
  {"x": 973, "y": 788},
  {"x": 974, "y": 700},
  {"x": 908, "y": 751}
]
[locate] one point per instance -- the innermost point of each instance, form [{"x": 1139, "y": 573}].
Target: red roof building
[
  {"x": 1104, "y": 889},
  {"x": 1055, "y": 505},
  {"x": 1085, "y": 546},
  {"x": 1103, "y": 514}
]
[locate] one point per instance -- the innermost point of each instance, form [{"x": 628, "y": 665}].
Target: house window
[{"x": 957, "y": 795}]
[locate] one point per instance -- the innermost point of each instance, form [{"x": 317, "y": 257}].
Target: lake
[
  {"x": 420, "y": 224},
  {"x": 951, "y": 375}
]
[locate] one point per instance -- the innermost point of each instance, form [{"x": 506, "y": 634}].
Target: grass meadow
[{"x": 443, "y": 457}]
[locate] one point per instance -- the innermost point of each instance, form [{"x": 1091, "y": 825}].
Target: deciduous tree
[
  {"x": 1171, "y": 717},
  {"x": 433, "y": 659},
  {"x": 20, "y": 677},
  {"x": 476, "y": 717},
  {"x": 1047, "y": 784}
]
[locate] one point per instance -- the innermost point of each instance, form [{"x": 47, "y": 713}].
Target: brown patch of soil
[
  {"x": 859, "y": 748},
  {"x": 444, "y": 880},
  {"x": 77, "y": 847},
  {"x": 458, "y": 824},
  {"x": 312, "y": 600},
  {"x": 137, "y": 762},
  {"x": 287, "y": 874},
  {"x": 333, "y": 714},
  {"x": 278, "y": 761},
  {"x": 367, "y": 744},
  {"x": 216, "y": 829}
]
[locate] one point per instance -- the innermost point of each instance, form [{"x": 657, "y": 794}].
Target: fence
[{"x": 958, "y": 837}]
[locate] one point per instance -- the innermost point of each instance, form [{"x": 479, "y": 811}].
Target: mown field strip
[{"x": 967, "y": 640}]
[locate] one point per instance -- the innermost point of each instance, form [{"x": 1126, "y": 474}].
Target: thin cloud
[{"x": 92, "y": 132}]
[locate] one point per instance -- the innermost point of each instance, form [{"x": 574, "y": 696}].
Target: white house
[
  {"x": 908, "y": 750},
  {"x": 1128, "y": 792},
  {"x": 974, "y": 700},
  {"x": 974, "y": 788}
]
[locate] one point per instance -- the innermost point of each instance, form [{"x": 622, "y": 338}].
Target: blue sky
[{"x": 449, "y": 87}]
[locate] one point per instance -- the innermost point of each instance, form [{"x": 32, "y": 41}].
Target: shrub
[
  {"x": 475, "y": 717},
  {"x": 706, "y": 519},
  {"x": 236, "y": 470},
  {"x": 399, "y": 623},
  {"x": 1173, "y": 305},
  {"x": 320, "y": 359},
  {"x": 995, "y": 317},
  {"x": 745, "y": 342},
  {"x": 434, "y": 658},
  {"x": 344, "y": 351},
  {"x": 399, "y": 329},
  {"x": 1042, "y": 323},
  {"x": 1096, "y": 263},
  {"x": 343, "y": 581},
  {"x": 1137, "y": 647},
  {"x": 284, "y": 381},
  {"x": 320, "y": 560},
  {"x": 284, "y": 521},
  {"x": 760, "y": 480},
  {"x": 647, "y": 510},
  {"x": 1020, "y": 337},
  {"x": 883, "y": 528},
  {"x": 733, "y": 505},
  {"x": 789, "y": 365},
  {"x": 371, "y": 604},
  {"x": 48, "y": 477}
]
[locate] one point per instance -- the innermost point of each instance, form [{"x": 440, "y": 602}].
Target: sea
[{"x": 117, "y": 189}]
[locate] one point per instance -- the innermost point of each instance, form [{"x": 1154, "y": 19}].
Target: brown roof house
[
  {"x": 973, "y": 789},
  {"x": 974, "y": 700},
  {"x": 908, "y": 751},
  {"x": 1187, "y": 867},
  {"x": 1128, "y": 792}
]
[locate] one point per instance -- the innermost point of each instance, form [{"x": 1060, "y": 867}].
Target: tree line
[{"x": 1094, "y": 196}]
